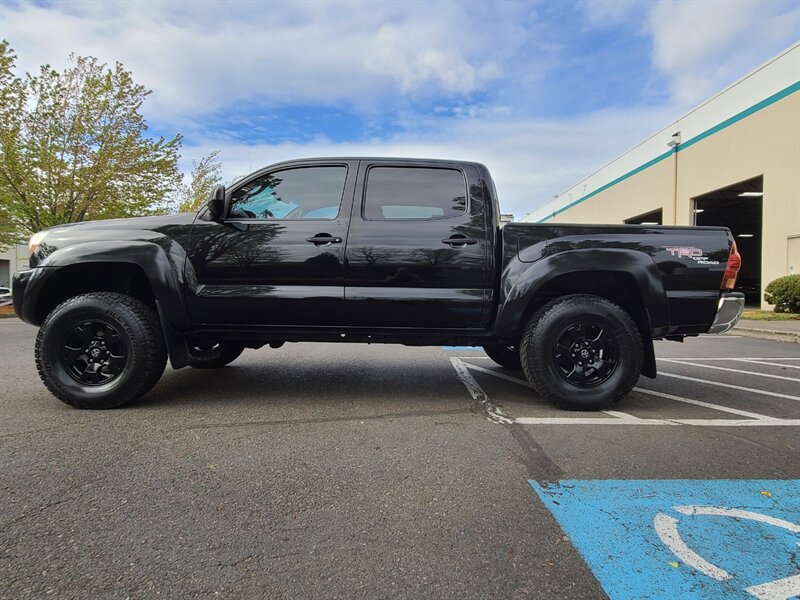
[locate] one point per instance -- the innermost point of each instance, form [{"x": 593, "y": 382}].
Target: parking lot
[{"x": 355, "y": 471}]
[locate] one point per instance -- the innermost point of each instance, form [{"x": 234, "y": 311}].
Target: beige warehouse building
[{"x": 732, "y": 161}]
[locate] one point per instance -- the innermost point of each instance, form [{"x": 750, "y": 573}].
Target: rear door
[
  {"x": 278, "y": 259},
  {"x": 418, "y": 250}
]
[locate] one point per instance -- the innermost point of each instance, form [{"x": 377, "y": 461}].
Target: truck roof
[{"x": 385, "y": 158}]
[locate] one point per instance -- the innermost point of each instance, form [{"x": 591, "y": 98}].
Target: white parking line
[
  {"x": 491, "y": 412},
  {"x": 615, "y": 417},
  {"x": 635, "y": 421},
  {"x": 761, "y": 362},
  {"x": 521, "y": 382},
  {"x": 734, "y": 411},
  {"x": 756, "y": 358},
  {"x": 591, "y": 421},
  {"x": 731, "y": 386},
  {"x": 716, "y": 368}
]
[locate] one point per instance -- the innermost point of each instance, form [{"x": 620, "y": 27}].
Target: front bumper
[
  {"x": 25, "y": 288},
  {"x": 729, "y": 310}
]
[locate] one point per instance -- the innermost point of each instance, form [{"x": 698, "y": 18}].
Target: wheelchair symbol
[{"x": 667, "y": 529}]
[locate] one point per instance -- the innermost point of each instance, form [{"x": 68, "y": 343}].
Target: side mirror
[{"x": 218, "y": 206}]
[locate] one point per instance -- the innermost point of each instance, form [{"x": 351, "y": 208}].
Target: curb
[{"x": 768, "y": 334}]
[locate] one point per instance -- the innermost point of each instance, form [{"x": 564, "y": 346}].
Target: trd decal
[{"x": 695, "y": 254}]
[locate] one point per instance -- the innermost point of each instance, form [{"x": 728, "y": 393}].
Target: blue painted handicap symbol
[{"x": 684, "y": 538}]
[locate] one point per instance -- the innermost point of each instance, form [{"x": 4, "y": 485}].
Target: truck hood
[
  {"x": 149, "y": 223},
  {"x": 154, "y": 229}
]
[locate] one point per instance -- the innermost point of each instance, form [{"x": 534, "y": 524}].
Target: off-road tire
[
  {"x": 139, "y": 330},
  {"x": 505, "y": 356},
  {"x": 218, "y": 355},
  {"x": 556, "y": 319}
]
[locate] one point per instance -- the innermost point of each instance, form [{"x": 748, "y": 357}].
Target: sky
[{"x": 543, "y": 92}]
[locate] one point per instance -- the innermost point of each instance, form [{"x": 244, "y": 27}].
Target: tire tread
[
  {"x": 151, "y": 345},
  {"x": 535, "y": 370}
]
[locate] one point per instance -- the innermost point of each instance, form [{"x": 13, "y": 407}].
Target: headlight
[{"x": 36, "y": 239}]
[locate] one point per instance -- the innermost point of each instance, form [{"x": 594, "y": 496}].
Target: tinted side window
[
  {"x": 414, "y": 193},
  {"x": 303, "y": 193}
]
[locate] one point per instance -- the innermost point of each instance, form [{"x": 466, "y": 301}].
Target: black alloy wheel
[
  {"x": 100, "y": 350},
  {"x": 94, "y": 352},
  {"x": 582, "y": 352},
  {"x": 585, "y": 353}
]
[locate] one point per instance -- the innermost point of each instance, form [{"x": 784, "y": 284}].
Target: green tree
[
  {"x": 74, "y": 147},
  {"x": 206, "y": 173}
]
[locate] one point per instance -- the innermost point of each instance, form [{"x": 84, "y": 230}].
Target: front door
[
  {"x": 419, "y": 248},
  {"x": 278, "y": 258}
]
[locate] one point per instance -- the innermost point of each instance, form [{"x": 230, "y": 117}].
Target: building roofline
[{"x": 660, "y": 131}]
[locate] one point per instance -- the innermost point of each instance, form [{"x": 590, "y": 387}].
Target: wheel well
[
  {"x": 73, "y": 280},
  {"x": 618, "y": 287}
]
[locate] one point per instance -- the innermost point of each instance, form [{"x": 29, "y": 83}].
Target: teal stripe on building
[{"x": 687, "y": 144}]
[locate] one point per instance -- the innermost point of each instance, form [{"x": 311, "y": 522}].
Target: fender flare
[
  {"x": 163, "y": 268},
  {"x": 522, "y": 280}
]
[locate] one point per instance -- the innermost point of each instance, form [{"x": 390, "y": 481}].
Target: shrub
[{"x": 784, "y": 293}]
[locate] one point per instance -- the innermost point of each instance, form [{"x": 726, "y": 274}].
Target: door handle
[
  {"x": 459, "y": 241},
  {"x": 324, "y": 239}
]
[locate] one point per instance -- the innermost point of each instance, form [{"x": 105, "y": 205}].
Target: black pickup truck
[{"x": 371, "y": 250}]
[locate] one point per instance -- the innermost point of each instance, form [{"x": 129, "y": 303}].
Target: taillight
[{"x": 732, "y": 270}]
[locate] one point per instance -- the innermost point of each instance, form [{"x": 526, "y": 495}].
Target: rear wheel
[
  {"x": 100, "y": 350},
  {"x": 213, "y": 355},
  {"x": 505, "y": 356},
  {"x": 582, "y": 352}
]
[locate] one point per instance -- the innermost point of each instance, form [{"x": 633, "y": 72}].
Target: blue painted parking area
[{"x": 654, "y": 539}]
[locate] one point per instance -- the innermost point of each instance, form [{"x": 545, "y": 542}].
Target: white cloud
[
  {"x": 605, "y": 13},
  {"x": 531, "y": 159},
  {"x": 200, "y": 57},
  {"x": 701, "y": 46},
  {"x": 485, "y": 66}
]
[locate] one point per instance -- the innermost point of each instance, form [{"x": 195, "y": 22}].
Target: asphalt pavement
[{"x": 355, "y": 471}]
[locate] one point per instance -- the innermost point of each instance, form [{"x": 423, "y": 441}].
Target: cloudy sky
[{"x": 542, "y": 92}]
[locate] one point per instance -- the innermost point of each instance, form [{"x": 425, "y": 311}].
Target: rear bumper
[{"x": 729, "y": 310}]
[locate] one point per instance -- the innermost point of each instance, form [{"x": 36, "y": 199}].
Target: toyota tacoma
[{"x": 369, "y": 250}]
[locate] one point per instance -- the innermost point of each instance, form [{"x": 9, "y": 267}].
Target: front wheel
[
  {"x": 505, "y": 356},
  {"x": 582, "y": 352},
  {"x": 100, "y": 350},
  {"x": 213, "y": 355}
]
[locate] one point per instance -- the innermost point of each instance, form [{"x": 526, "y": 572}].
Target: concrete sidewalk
[{"x": 782, "y": 331}]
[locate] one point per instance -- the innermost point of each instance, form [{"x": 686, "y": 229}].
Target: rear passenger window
[{"x": 414, "y": 193}]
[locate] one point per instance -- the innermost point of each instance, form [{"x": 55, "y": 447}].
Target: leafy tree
[
  {"x": 206, "y": 173},
  {"x": 10, "y": 97},
  {"x": 73, "y": 147}
]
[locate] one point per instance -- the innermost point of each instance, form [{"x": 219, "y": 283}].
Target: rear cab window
[{"x": 414, "y": 193}]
